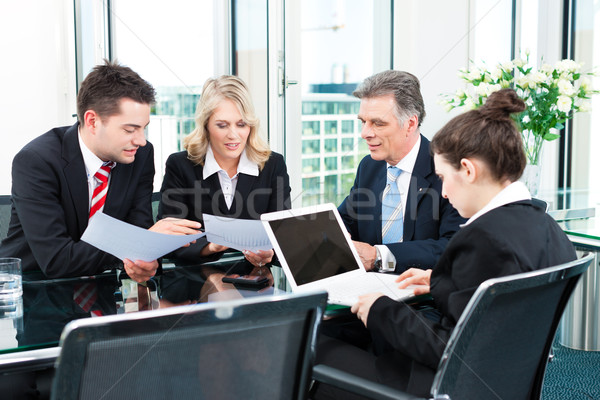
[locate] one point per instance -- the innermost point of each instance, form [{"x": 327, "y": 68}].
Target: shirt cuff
[{"x": 388, "y": 261}]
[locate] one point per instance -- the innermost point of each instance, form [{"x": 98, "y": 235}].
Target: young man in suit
[
  {"x": 418, "y": 222},
  {"x": 55, "y": 186}
]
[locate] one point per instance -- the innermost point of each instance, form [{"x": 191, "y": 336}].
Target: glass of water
[{"x": 11, "y": 286}]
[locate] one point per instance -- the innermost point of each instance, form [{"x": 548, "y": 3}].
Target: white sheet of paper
[
  {"x": 239, "y": 234},
  {"x": 124, "y": 240}
]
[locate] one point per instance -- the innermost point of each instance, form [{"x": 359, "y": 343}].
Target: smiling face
[
  {"x": 228, "y": 133},
  {"x": 387, "y": 138},
  {"x": 117, "y": 138}
]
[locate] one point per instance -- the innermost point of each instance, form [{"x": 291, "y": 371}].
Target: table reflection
[{"x": 48, "y": 305}]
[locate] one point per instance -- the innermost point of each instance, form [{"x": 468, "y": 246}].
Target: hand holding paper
[{"x": 124, "y": 240}]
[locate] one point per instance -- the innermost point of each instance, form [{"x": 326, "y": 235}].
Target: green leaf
[{"x": 551, "y": 136}]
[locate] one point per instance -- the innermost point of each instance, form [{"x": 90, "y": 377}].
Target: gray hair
[{"x": 403, "y": 85}]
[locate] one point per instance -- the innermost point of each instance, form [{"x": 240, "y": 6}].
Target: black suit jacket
[
  {"x": 186, "y": 194},
  {"x": 429, "y": 219},
  {"x": 50, "y": 204},
  {"x": 514, "y": 238}
]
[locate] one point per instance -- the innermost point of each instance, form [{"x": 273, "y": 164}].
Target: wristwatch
[{"x": 377, "y": 262}]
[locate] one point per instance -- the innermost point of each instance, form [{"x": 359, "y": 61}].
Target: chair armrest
[{"x": 355, "y": 384}]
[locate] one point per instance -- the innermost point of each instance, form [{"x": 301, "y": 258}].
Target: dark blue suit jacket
[
  {"x": 51, "y": 204},
  {"x": 429, "y": 220}
]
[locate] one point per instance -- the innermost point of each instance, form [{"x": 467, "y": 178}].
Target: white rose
[
  {"x": 524, "y": 81},
  {"x": 547, "y": 68},
  {"x": 565, "y": 87},
  {"x": 474, "y": 74},
  {"x": 518, "y": 62},
  {"x": 563, "y": 103},
  {"x": 482, "y": 89},
  {"x": 538, "y": 77},
  {"x": 585, "y": 106},
  {"x": 507, "y": 66},
  {"x": 496, "y": 74},
  {"x": 469, "y": 104},
  {"x": 584, "y": 83}
]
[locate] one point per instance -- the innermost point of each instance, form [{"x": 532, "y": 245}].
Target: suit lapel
[
  {"x": 75, "y": 175},
  {"x": 417, "y": 188},
  {"x": 120, "y": 177}
]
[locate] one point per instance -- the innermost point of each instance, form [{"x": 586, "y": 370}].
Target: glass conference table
[
  {"x": 29, "y": 338},
  {"x": 580, "y": 327}
]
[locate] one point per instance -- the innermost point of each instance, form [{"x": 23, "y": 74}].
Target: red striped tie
[
  {"x": 86, "y": 294},
  {"x": 99, "y": 195}
]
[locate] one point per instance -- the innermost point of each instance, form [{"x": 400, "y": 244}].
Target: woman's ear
[{"x": 470, "y": 169}]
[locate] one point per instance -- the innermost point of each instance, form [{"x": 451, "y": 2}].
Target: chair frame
[
  {"x": 79, "y": 334},
  {"x": 482, "y": 298}
]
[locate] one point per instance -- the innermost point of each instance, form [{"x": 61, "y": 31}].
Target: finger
[
  {"x": 421, "y": 289},
  {"x": 354, "y": 308},
  {"x": 408, "y": 273}
]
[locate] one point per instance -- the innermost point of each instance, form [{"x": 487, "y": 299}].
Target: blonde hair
[{"x": 214, "y": 91}]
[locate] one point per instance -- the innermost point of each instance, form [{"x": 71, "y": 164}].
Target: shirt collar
[
  {"x": 516, "y": 191},
  {"x": 91, "y": 161},
  {"x": 407, "y": 164},
  {"x": 245, "y": 166}
]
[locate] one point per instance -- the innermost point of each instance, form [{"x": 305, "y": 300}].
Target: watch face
[{"x": 377, "y": 265}]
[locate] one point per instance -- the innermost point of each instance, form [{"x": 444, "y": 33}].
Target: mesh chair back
[
  {"x": 5, "y": 210},
  {"x": 253, "y": 348},
  {"x": 155, "y": 205},
  {"x": 500, "y": 346}
]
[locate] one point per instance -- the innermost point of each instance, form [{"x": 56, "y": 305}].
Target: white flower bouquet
[{"x": 552, "y": 94}]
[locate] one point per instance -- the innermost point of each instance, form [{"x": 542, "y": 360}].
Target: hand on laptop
[
  {"x": 362, "y": 307},
  {"x": 367, "y": 254},
  {"x": 415, "y": 276}
]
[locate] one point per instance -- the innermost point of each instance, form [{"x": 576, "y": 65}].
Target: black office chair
[
  {"x": 260, "y": 347},
  {"x": 499, "y": 347},
  {"x": 539, "y": 203},
  {"x": 155, "y": 205},
  {"x": 5, "y": 210}
]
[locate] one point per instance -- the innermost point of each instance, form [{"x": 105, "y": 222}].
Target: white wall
[
  {"x": 37, "y": 76},
  {"x": 431, "y": 41}
]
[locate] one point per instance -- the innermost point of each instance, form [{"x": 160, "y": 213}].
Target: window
[
  {"x": 337, "y": 43},
  {"x": 173, "y": 46}
]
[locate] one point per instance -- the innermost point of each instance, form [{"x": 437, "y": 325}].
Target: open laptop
[{"x": 316, "y": 252}]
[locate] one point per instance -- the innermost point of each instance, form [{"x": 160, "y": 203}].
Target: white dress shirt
[
  {"x": 516, "y": 191},
  {"x": 228, "y": 184},
  {"x": 407, "y": 164},
  {"x": 92, "y": 165}
]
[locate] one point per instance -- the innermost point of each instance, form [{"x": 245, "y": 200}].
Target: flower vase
[{"x": 531, "y": 178}]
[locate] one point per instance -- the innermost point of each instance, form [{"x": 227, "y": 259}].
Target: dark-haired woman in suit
[{"x": 479, "y": 156}]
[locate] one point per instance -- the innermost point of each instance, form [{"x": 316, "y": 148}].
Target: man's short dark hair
[
  {"x": 403, "y": 85},
  {"x": 106, "y": 84}
]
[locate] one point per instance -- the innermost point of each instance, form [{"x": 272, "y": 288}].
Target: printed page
[
  {"x": 124, "y": 240},
  {"x": 239, "y": 234}
]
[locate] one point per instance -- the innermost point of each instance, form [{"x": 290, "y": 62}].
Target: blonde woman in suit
[{"x": 225, "y": 170}]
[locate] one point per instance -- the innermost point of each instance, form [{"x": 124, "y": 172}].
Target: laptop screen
[{"x": 314, "y": 246}]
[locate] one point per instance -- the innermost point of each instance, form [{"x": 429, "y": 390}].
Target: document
[
  {"x": 124, "y": 240},
  {"x": 239, "y": 234}
]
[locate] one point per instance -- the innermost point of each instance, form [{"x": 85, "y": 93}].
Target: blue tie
[{"x": 392, "y": 221}]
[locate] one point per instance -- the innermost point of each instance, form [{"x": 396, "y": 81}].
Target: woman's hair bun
[{"x": 499, "y": 105}]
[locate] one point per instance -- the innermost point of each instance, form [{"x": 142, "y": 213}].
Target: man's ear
[
  {"x": 470, "y": 169},
  {"x": 412, "y": 124},
  {"x": 90, "y": 120}
]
